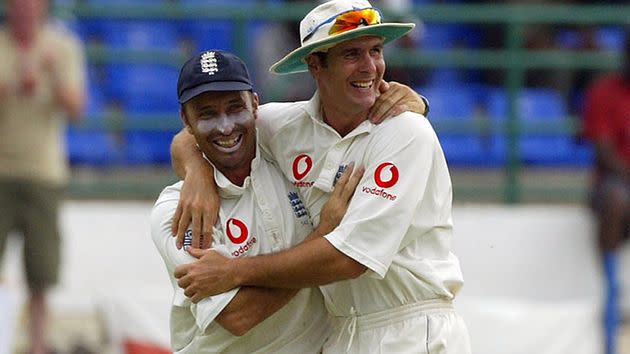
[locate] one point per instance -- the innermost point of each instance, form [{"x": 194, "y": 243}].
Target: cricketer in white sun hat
[{"x": 334, "y": 22}]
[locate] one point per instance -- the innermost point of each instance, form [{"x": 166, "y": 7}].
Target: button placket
[
  {"x": 333, "y": 159},
  {"x": 269, "y": 224}
]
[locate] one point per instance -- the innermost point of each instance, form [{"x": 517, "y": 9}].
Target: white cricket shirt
[
  {"x": 265, "y": 215},
  {"x": 399, "y": 221}
]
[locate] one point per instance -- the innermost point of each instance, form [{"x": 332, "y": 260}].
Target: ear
[
  {"x": 184, "y": 118},
  {"x": 255, "y": 103},
  {"x": 313, "y": 62}
]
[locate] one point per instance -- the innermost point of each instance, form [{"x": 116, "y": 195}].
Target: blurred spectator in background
[
  {"x": 607, "y": 125},
  {"x": 41, "y": 76},
  {"x": 280, "y": 37}
]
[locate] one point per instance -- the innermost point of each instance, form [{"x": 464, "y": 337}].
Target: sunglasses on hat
[{"x": 350, "y": 20}]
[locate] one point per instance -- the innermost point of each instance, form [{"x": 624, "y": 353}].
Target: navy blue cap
[{"x": 213, "y": 70}]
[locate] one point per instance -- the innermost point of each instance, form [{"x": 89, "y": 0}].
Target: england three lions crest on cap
[{"x": 209, "y": 63}]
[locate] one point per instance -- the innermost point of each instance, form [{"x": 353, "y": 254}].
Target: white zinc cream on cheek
[{"x": 223, "y": 123}]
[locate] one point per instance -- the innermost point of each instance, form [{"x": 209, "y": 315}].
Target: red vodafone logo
[
  {"x": 386, "y": 180},
  {"x": 242, "y": 234},
  {"x": 302, "y": 166}
]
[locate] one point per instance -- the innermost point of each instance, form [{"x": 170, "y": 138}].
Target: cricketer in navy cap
[
  {"x": 219, "y": 108},
  {"x": 213, "y": 70}
]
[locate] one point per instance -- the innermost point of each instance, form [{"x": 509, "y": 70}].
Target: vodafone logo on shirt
[
  {"x": 302, "y": 165},
  {"x": 237, "y": 232},
  {"x": 385, "y": 176},
  {"x": 384, "y": 179}
]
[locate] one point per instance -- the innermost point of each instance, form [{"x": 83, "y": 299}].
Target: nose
[
  {"x": 368, "y": 63},
  {"x": 225, "y": 125}
]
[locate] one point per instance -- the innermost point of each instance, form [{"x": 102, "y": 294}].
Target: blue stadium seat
[
  {"x": 89, "y": 146},
  {"x": 444, "y": 36},
  {"x": 155, "y": 92},
  {"x": 455, "y": 106},
  {"x": 141, "y": 34},
  {"x": 142, "y": 86},
  {"x": 568, "y": 39},
  {"x": 450, "y": 102},
  {"x": 209, "y": 34},
  {"x": 212, "y": 33},
  {"x": 583, "y": 155},
  {"x": 96, "y": 101},
  {"x": 145, "y": 88},
  {"x": 534, "y": 106},
  {"x": 93, "y": 29},
  {"x": 146, "y": 146},
  {"x": 611, "y": 38},
  {"x": 448, "y": 35},
  {"x": 90, "y": 29},
  {"x": 149, "y": 147},
  {"x": 92, "y": 148}
]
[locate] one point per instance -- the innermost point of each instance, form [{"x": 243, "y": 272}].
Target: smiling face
[
  {"x": 223, "y": 124},
  {"x": 348, "y": 80}
]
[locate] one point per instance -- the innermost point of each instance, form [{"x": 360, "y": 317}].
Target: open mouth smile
[
  {"x": 362, "y": 84},
  {"x": 228, "y": 144}
]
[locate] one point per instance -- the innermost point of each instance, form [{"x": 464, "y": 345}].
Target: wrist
[
  {"x": 426, "y": 105},
  {"x": 237, "y": 270},
  {"x": 196, "y": 163},
  {"x": 322, "y": 229}
]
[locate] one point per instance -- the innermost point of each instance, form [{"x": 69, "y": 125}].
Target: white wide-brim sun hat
[{"x": 315, "y": 27}]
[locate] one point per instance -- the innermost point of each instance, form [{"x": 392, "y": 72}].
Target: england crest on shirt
[{"x": 297, "y": 205}]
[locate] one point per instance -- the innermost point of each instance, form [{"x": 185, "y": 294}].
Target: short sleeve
[
  {"x": 400, "y": 160},
  {"x": 206, "y": 310}
]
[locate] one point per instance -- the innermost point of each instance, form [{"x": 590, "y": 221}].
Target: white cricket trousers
[{"x": 428, "y": 327}]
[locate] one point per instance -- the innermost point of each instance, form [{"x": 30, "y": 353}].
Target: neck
[
  {"x": 342, "y": 122},
  {"x": 238, "y": 175}
]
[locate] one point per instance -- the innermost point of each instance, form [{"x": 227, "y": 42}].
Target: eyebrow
[
  {"x": 379, "y": 46},
  {"x": 236, "y": 100},
  {"x": 204, "y": 106}
]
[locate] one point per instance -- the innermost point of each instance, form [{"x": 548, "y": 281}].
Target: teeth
[
  {"x": 227, "y": 142},
  {"x": 363, "y": 84}
]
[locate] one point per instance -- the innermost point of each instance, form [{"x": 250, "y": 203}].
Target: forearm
[
  {"x": 185, "y": 155},
  {"x": 317, "y": 233},
  {"x": 309, "y": 264},
  {"x": 251, "y": 306}
]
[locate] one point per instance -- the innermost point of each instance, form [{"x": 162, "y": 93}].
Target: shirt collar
[{"x": 314, "y": 110}]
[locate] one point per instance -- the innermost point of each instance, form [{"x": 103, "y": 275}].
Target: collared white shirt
[
  {"x": 399, "y": 221},
  {"x": 265, "y": 215}
]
